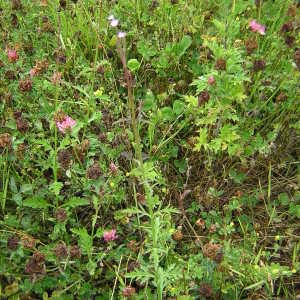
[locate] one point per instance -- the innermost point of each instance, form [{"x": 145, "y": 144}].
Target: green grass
[{"x": 186, "y": 144}]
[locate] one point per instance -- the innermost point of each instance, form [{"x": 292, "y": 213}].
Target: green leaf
[
  {"x": 181, "y": 47},
  {"x": 26, "y": 188},
  {"x": 75, "y": 202},
  {"x": 85, "y": 240},
  {"x": 284, "y": 199},
  {"x": 167, "y": 113},
  {"x": 133, "y": 64},
  {"x": 178, "y": 107},
  {"x": 146, "y": 50},
  {"x": 56, "y": 187},
  {"x": 149, "y": 102},
  {"x": 36, "y": 202},
  {"x": 91, "y": 267}
]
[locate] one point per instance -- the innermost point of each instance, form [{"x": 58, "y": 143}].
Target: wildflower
[
  {"x": 56, "y": 78},
  {"x": 121, "y": 35},
  {"x": 109, "y": 235},
  {"x": 28, "y": 242},
  {"x": 67, "y": 124},
  {"x": 256, "y": 27},
  {"x": 33, "y": 72},
  {"x": 16, "y": 4},
  {"x": 94, "y": 172},
  {"x": 177, "y": 235},
  {"x": 211, "y": 80},
  {"x": 13, "y": 242},
  {"x": 220, "y": 64},
  {"x": 61, "y": 250},
  {"x": 114, "y": 23},
  {"x": 12, "y": 55},
  {"x": 22, "y": 125},
  {"x": 250, "y": 45},
  {"x": 25, "y": 85},
  {"x": 203, "y": 97},
  {"x": 64, "y": 158},
  {"x": 259, "y": 65},
  {"x": 61, "y": 214},
  {"x": 281, "y": 97},
  {"x": 5, "y": 140},
  {"x": 206, "y": 290},
  {"x": 290, "y": 41},
  {"x": 287, "y": 27},
  {"x": 128, "y": 291},
  {"x": 36, "y": 264},
  {"x": 297, "y": 57},
  {"x": 213, "y": 251},
  {"x": 111, "y": 17},
  {"x": 113, "y": 168},
  {"x": 200, "y": 223},
  {"x": 75, "y": 251}
]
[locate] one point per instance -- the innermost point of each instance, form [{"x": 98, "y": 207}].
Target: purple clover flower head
[
  {"x": 256, "y": 27},
  {"x": 121, "y": 35},
  {"x": 110, "y": 235},
  {"x": 66, "y": 125}
]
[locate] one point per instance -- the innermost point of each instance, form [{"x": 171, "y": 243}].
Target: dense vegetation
[{"x": 149, "y": 149}]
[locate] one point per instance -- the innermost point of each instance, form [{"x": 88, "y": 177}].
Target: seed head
[
  {"x": 75, "y": 252},
  {"x": 220, "y": 64},
  {"x": 94, "y": 172},
  {"x": 128, "y": 291},
  {"x": 25, "y": 85},
  {"x": 61, "y": 250},
  {"x": 13, "y": 242},
  {"x": 61, "y": 215}
]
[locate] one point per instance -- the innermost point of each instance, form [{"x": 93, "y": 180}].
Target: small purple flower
[
  {"x": 121, "y": 35},
  {"x": 110, "y": 235},
  {"x": 12, "y": 55},
  {"x": 114, "y": 23},
  {"x": 256, "y": 27},
  {"x": 211, "y": 80},
  {"x": 33, "y": 72},
  {"x": 67, "y": 124}
]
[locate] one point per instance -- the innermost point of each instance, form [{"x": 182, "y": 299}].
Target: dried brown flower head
[
  {"x": 128, "y": 291},
  {"x": 28, "y": 242},
  {"x": 61, "y": 250},
  {"x": 22, "y": 125},
  {"x": 25, "y": 85},
  {"x": 13, "y": 242},
  {"x": 177, "y": 235},
  {"x": 36, "y": 264},
  {"x": 61, "y": 214},
  {"x": 211, "y": 250},
  {"x": 281, "y": 97},
  {"x": 290, "y": 41},
  {"x": 297, "y": 57},
  {"x": 200, "y": 223},
  {"x": 259, "y": 65},
  {"x": 287, "y": 27},
  {"x": 203, "y": 97},
  {"x": 64, "y": 158},
  {"x": 75, "y": 252},
  {"x": 10, "y": 75},
  {"x": 250, "y": 45},
  {"x": 94, "y": 171},
  {"x": 5, "y": 140},
  {"x": 220, "y": 64},
  {"x": 206, "y": 290}
]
